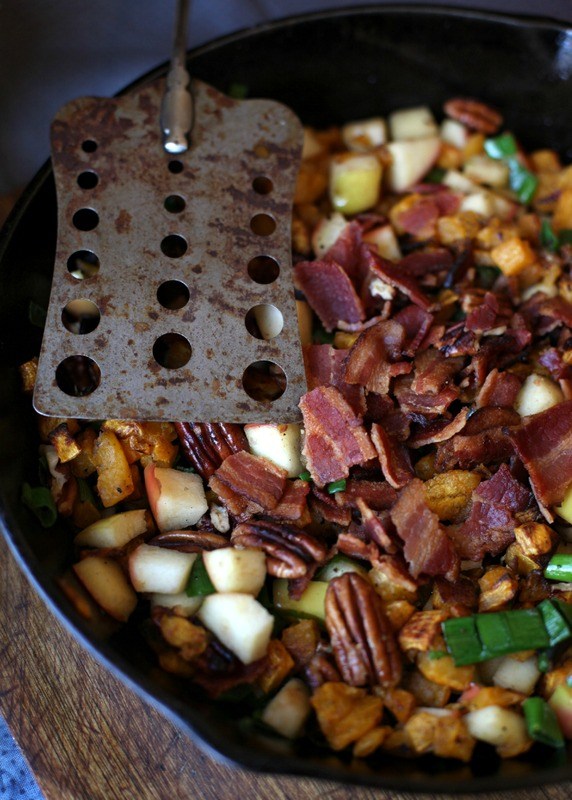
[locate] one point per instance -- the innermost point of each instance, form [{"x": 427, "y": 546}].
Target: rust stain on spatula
[{"x": 172, "y": 295}]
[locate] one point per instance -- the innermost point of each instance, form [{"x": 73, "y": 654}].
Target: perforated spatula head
[{"x": 172, "y": 295}]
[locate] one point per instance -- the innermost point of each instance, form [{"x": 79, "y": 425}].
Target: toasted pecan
[
  {"x": 190, "y": 541},
  {"x": 474, "y": 114},
  {"x": 206, "y": 445},
  {"x": 289, "y": 551}
]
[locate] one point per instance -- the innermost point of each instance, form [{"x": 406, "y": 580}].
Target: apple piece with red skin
[
  {"x": 411, "y": 161},
  {"x": 177, "y": 499},
  {"x": 561, "y": 704},
  {"x": 159, "y": 569},
  {"x": 106, "y": 582}
]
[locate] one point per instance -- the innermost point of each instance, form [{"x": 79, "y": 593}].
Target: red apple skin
[{"x": 561, "y": 704}]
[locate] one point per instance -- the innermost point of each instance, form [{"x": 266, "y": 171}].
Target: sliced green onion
[
  {"x": 336, "y": 486},
  {"x": 487, "y": 276},
  {"x": 544, "y": 661},
  {"x": 554, "y": 616},
  {"x": 184, "y": 468},
  {"x": 522, "y": 181},
  {"x": 305, "y": 476},
  {"x": 548, "y": 238},
  {"x": 199, "y": 584},
  {"x": 542, "y": 723},
  {"x": 501, "y": 147},
  {"x": 559, "y": 568},
  {"x": 435, "y": 175},
  {"x": 462, "y": 640},
  {"x": 40, "y": 501},
  {"x": 435, "y": 655},
  {"x": 526, "y": 629}
]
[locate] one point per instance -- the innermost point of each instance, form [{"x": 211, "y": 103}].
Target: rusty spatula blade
[{"x": 172, "y": 295}]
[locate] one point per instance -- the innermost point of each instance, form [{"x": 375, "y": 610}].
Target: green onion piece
[
  {"x": 435, "y": 175},
  {"x": 39, "y": 500},
  {"x": 522, "y": 181},
  {"x": 500, "y": 147},
  {"x": 199, "y": 584},
  {"x": 548, "y": 238},
  {"x": 544, "y": 661},
  {"x": 526, "y": 629},
  {"x": 184, "y": 468},
  {"x": 321, "y": 336},
  {"x": 435, "y": 655},
  {"x": 487, "y": 276},
  {"x": 542, "y": 723},
  {"x": 238, "y": 90},
  {"x": 336, "y": 486},
  {"x": 565, "y": 236},
  {"x": 555, "y": 623},
  {"x": 305, "y": 476},
  {"x": 494, "y": 634},
  {"x": 559, "y": 568},
  {"x": 462, "y": 640}
]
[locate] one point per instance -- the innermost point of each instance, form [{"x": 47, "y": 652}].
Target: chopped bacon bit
[
  {"x": 393, "y": 457},
  {"x": 499, "y": 389},
  {"x": 378, "y": 495},
  {"x": 420, "y": 218},
  {"x": 325, "y": 506},
  {"x": 487, "y": 315},
  {"x": 552, "y": 360},
  {"x": 346, "y": 250},
  {"x": 557, "y": 308},
  {"x": 373, "y": 359},
  {"x": 485, "y": 440},
  {"x": 354, "y": 547},
  {"x": 416, "y": 322},
  {"x": 429, "y": 404},
  {"x": 544, "y": 445},
  {"x": 330, "y": 292},
  {"x": 335, "y": 437},
  {"x": 293, "y": 504},
  {"x": 420, "y": 263},
  {"x": 427, "y": 550},
  {"x": 253, "y": 478},
  {"x": 490, "y": 525},
  {"x": 374, "y": 528},
  {"x": 439, "y": 431},
  {"x": 325, "y": 366},
  {"x": 387, "y": 272},
  {"x": 434, "y": 372}
]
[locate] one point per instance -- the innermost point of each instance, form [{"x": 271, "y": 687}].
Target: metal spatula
[{"x": 172, "y": 296}]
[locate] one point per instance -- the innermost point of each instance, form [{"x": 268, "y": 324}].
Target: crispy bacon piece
[
  {"x": 484, "y": 440},
  {"x": 325, "y": 366},
  {"x": 434, "y": 372},
  {"x": 416, "y": 322},
  {"x": 429, "y": 404},
  {"x": 439, "y": 431},
  {"x": 253, "y": 478},
  {"x": 420, "y": 218},
  {"x": 375, "y": 528},
  {"x": 393, "y": 457},
  {"x": 335, "y": 437},
  {"x": 499, "y": 351},
  {"x": 551, "y": 358},
  {"x": 293, "y": 504},
  {"x": 387, "y": 272},
  {"x": 376, "y": 357},
  {"x": 427, "y": 549},
  {"x": 325, "y": 506},
  {"x": 557, "y": 308},
  {"x": 499, "y": 389},
  {"x": 420, "y": 263},
  {"x": 346, "y": 251},
  {"x": 490, "y": 525},
  {"x": 489, "y": 314},
  {"x": 378, "y": 495},
  {"x": 206, "y": 445},
  {"x": 544, "y": 445},
  {"x": 330, "y": 292}
]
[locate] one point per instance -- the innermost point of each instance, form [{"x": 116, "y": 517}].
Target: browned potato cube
[
  {"x": 114, "y": 479},
  {"x": 279, "y": 665}
]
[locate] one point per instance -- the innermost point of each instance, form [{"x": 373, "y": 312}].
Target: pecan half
[
  {"x": 206, "y": 445},
  {"x": 362, "y": 639},
  {"x": 474, "y": 114},
  {"x": 290, "y": 552},
  {"x": 190, "y": 541}
]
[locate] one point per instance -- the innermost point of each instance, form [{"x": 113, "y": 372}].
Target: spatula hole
[
  {"x": 262, "y": 185},
  {"x": 83, "y": 264},
  {"x": 172, "y": 351},
  {"x": 263, "y": 224},
  {"x": 264, "y": 381},
  {"x": 87, "y": 180},
  {"x": 263, "y": 269},
  {"x": 174, "y": 204},
  {"x": 264, "y": 321},
  {"x": 78, "y": 376},
  {"x": 86, "y": 219},
  {"x": 89, "y": 146},
  {"x": 173, "y": 294},
  {"x": 81, "y": 316},
  {"x": 175, "y": 166},
  {"x": 174, "y": 245}
]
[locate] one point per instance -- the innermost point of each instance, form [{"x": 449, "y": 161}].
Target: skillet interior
[{"x": 332, "y": 67}]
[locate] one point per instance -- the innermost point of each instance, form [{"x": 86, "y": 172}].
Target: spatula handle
[{"x": 177, "y": 109}]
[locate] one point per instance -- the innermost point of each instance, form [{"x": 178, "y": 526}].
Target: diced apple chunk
[
  {"x": 538, "y": 393},
  {"x": 105, "y": 581},
  {"x": 384, "y": 239},
  {"x": 490, "y": 171},
  {"x": 412, "y": 123},
  {"x": 366, "y": 134},
  {"x": 236, "y": 570},
  {"x": 454, "y": 133},
  {"x": 114, "y": 531},
  {"x": 278, "y": 443},
  {"x": 480, "y": 203},
  {"x": 411, "y": 160},
  {"x": 564, "y": 510},
  {"x": 312, "y": 603},
  {"x": 180, "y": 603},
  {"x": 177, "y": 498},
  {"x": 240, "y": 622},
  {"x": 327, "y": 232},
  {"x": 288, "y": 711},
  {"x": 355, "y": 182},
  {"x": 158, "y": 569},
  {"x": 520, "y": 676},
  {"x": 458, "y": 182},
  {"x": 561, "y": 703},
  {"x": 501, "y": 727}
]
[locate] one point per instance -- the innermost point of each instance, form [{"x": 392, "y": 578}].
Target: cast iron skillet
[{"x": 329, "y": 67}]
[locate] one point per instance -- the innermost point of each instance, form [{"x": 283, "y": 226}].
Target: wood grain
[{"x": 88, "y": 737}]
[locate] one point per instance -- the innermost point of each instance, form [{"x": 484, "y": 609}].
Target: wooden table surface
[{"x": 88, "y": 737}]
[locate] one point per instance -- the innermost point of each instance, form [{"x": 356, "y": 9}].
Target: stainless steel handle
[{"x": 177, "y": 108}]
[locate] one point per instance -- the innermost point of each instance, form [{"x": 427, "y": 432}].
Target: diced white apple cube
[
  {"x": 412, "y": 123},
  {"x": 181, "y": 603},
  {"x": 159, "y": 569},
  {"x": 504, "y": 208},
  {"x": 278, "y": 443},
  {"x": 289, "y": 709},
  {"x": 564, "y": 510},
  {"x": 305, "y": 321},
  {"x": 107, "y": 584},
  {"x": 312, "y": 145},
  {"x": 487, "y": 170},
  {"x": 519, "y": 676},
  {"x": 220, "y": 518},
  {"x": 365, "y": 134},
  {"x": 240, "y": 622},
  {"x": 114, "y": 531},
  {"x": 355, "y": 182},
  {"x": 327, "y": 232},
  {"x": 410, "y": 161},
  {"x": 549, "y": 289},
  {"x": 177, "y": 498},
  {"x": 454, "y": 133},
  {"x": 478, "y": 202},
  {"x": 233, "y": 569},
  {"x": 501, "y": 727},
  {"x": 458, "y": 182},
  {"x": 384, "y": 239},
  {"x": 538, "y": 393}
]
